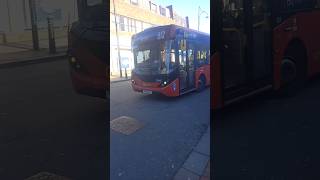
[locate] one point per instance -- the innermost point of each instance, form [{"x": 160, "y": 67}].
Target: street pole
[
  {"x": 200, "y": 11},
  {"x": 52, "y": 43},
  {"x": 33, "y": 15},
  {"x": 187, "y": 22},
  {"x": 9, "y": 16},
  {"x": 118, "y": 46},
  {"x": 198, "y": 18}
]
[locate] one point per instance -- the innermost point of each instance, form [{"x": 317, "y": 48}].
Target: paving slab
[
  {"x": 196, "y": 163},
  {"x": 203, "y": 146},
  {"x": 184, "y": 174}
]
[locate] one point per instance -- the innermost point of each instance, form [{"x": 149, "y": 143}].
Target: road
[
  {"x": 46, "y": 126},
  {"x": 269, "y": 137},
  {"x": 171, "y": 128}
]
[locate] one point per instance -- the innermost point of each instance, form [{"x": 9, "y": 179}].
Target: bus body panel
[
  {"x": 294, "y": 20},
  {"x": 309, "y": 33},
  {"x": 87, "y": 45},
  {"x": 216, "y": 87},
  {"x": 203, "y": 70},
  {"x": 302, "y": 28},
  {"x": 89, "y": 78}
]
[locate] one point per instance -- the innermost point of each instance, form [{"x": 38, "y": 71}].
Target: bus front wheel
[{"x": 292, "y": 77}]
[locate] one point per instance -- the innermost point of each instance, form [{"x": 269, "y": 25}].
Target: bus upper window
[{"x": 94, "y": 2}]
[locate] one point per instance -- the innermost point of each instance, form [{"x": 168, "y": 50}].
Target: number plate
[{"x": 146, "y": 92}]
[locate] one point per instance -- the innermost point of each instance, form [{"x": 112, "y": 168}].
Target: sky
[{"x": 190, "y": 8}]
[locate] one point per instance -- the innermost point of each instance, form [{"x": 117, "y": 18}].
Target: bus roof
[{"x": 167, "y": 31}]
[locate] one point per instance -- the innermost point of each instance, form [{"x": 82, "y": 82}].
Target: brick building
[{"x": 133, "y": 16}]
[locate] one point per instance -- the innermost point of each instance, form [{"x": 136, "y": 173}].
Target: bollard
[
  {"x": 52, "y": 43},
  {"x": 4, "y": 38}
]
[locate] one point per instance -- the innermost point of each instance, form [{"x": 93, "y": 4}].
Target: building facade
[
  {"x": 15, "y": 14},
  {"x": 131, "y": 17}
]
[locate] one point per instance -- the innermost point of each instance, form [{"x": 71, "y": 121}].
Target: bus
[
  {"x": 262, "y": 45},
  {"x": 170, "y": 60},
  {"x": 87, "y": 46}
]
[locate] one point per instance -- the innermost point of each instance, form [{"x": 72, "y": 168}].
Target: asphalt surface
[
  {"x": 269, "y": 137},
  {"x": 46, "y": 126},
  {"x": 172, "y": 128}
]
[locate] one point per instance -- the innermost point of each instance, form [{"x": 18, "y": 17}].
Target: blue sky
[{"x": 190, "y": 8}]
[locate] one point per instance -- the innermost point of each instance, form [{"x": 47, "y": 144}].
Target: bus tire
[
  {"x": 293, "y": 71},
  {"x": 201, "y": 83}
]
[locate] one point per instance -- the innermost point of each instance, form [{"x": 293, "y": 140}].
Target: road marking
[
  {"x": 47, "y": 176},
  {"x": 125, "y": 125}
]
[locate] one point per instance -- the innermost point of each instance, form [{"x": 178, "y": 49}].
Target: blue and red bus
[
  {"x": 87, "y": 49},
  {"x": 170, "y": 60},
  {"x": 261, "y": 45}
]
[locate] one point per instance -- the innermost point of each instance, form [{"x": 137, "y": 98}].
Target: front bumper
[
  {"x": 91, "y": 86},
  {"x": 171, "y": 90}
]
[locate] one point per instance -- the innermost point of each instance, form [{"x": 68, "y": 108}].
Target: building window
[
  {"x": 146, "y": 26},
  {"x": 134, "y": 2},
  {"x": 138, "y": 25},
  {"x": 129, "y": 25},
  {"x": 123, "y": 23},
  {"x": 153, "y": 7},
  {"x": 162, "y": 11},
  {"x": 133, "y": 26}
]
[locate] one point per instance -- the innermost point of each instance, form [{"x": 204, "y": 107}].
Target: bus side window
[
  {"x": 202, "y": 57},
  {"x": 199, "y": 58},
  {"x": 191, "y": 57},
  {"x": 172, "y": 58}
]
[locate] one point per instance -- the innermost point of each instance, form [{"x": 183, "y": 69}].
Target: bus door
[
  {"x": 187, "y": 65},
  {"x": 246, "y": 37},
  {"x": 234, "y": 42},
  {"x": 261, "y": 42},
  {"x": 191, "y": 66},
  {"x": 183, "y": 67}
]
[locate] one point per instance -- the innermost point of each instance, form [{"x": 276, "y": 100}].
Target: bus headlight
[
  {"x": 164, "y": 83},
  {"x": 74, "y": 63},
  {"x": 73, "y": 60}
]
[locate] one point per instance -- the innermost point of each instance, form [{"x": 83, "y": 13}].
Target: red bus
[
  {"x": 87, "y": 49},
  {"x": 263, "y": 44},
  {"x": 170, "y": 60}
]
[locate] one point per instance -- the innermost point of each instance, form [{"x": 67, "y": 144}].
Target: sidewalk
[
  {"x": 197, "y": 166},
  {"x": 13, "y": 56},
  {"x": 114, "y": 78}
]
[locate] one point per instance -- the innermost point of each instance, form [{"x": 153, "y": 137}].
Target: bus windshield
[{"x": 157, "y": 57}]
